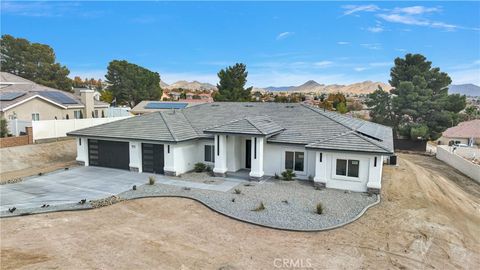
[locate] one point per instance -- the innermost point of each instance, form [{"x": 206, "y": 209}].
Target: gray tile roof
[
  {"x": 289, "y": 123},
  {"x": 349, "y": 141},
  {"x": 250, "y": 125}
]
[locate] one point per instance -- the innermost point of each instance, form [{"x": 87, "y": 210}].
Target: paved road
[{"x": 89, "y": 183}]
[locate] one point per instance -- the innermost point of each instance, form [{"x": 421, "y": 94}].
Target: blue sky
[{"x": 282, "y": 43}]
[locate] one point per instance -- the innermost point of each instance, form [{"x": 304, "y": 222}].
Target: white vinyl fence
[
  {"x": 16, "y": 126},
  {"x": 444, "y": 153},
  {"x": 48, "y": 129}
]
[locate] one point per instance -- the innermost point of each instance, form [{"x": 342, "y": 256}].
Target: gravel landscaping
[{"x": 289, "y": 205}]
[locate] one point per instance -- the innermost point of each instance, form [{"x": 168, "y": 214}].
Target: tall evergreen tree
[
  {"x": 420, "y": 103},
  {"x": 130, "y": 83},
  {"x": 33, "y": 61},
  {"x": 232, "y": 84}
]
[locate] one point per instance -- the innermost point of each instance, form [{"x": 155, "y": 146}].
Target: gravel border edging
[{"x": 88, "y": 207}]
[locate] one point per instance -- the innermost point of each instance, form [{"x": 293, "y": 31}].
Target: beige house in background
[
  {"x": 28, "y": 101},
  {"x": 467, "y": 132}
]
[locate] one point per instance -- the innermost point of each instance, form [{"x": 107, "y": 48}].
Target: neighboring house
[
  {"x": 25, "y": 100},
  {"x": 333, "y": 150},
  {"x": 467, "y": 132},
  {"x": 148, "y": 106}
]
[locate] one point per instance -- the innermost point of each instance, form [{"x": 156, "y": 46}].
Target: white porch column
[
  {"x": 375, "y": 174},
  {"x": 82, "y": 151},
  {"x": 135, "y": 156},
  {"x": 256, "y": 172},
  {"x": 220, "y": 168},
  {"x": 320, "y": 179}
]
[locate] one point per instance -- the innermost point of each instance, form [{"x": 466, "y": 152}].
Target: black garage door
[
  {"x": 109, "y": 154},
  {"x": 152, "y": 158}
]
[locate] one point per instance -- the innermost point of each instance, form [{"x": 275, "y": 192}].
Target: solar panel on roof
[
  {"x": 58, "y": 97},
  {"x": 7, "y": 96},
  {"x": 165, "y": 105}
]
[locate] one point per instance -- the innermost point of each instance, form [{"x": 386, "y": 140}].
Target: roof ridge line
[
  {"x": 227, "y": 123},
  {"x": 248, "y": 120},
  {"x": 358, "y": 134},
  {"x": 190, "y": 123},
  {"x": 311, "y": 108},
  {"x": 168, "y": 126}
]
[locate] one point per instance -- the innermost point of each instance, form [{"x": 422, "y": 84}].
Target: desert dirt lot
[
  {"x": 429, "y": 219},
  {"x": 27, "y": 160}
]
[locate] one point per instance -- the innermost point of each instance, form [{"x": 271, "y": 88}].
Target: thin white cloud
[
  {"x": 381, "y": 64},
  {"x": 343, "y": 43},
  {"x": 400, "y": 50},
  {"x": 360, "y": 69},
  {"x": 376, "y": 29},
  {"x": 372, "y": 46},
  {"x": 416, "y": 10},
  {"x": 414, "y": 15},
  {"x": 284, "y": 35},
  {"x": 47, "y": 9},
  {"x": 351, "y": 9},
  {"x": 323, "y": 64}
]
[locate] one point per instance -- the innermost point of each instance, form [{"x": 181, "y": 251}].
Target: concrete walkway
[{"x": 91, "y": 183}]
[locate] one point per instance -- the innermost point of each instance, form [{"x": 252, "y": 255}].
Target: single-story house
[
  {"x": 25, "y": 100},
  {"x": 333, "y": 150},
  {"x": 467, "y": 132}
]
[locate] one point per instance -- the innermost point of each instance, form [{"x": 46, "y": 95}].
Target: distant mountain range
[
  {"x": 312, "y": 86},
  {"x": 195, "y": 85},
  {"x": 365, "y": 87},
  {"x": 464, "y": 89}
]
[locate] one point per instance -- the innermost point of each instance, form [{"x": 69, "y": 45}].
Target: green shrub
[
  {"x": 310, "y": 178},
  {"x": 208, "y": 169},
  {"x": 237, "y": 191},
  {"x": 151, "y": 180},
  {"x": 319, "y": 208},
  {"x": 276, "y": 176},
  {"x": 288, "y": 175},
  {"x": 260, "y": 207},
  {"x": 200, "y": 167}
]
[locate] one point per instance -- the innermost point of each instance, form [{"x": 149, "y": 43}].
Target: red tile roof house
[
  {"x": 256, "y": 139},
  {"x": 465, "y": 133}
]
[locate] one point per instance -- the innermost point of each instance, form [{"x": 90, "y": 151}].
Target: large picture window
[
  {"x": 294, "y": 161},
  {"x": 209, "y": 153},
  {"x": 348, "y": 167}
]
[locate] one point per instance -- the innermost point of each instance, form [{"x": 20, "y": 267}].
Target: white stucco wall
[
  {"x": 185, "y": 156},
  {"x": 82, "y": 150},
  {"x": 135, "y": 149},
  {"x": 465, "y": 166},
  {"x": 369, "y": 175},
  {"x": 274, "y": 156}
]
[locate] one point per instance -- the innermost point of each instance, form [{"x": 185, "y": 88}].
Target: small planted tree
[
  {"x": 319, "y": 208},
  {"x": 288, "y": 175},
  {"x": 151, "y": 180},
  {"x": 200, "y": 167},
  {"x": 3, "y": 128},
  {"x": 260, "y": 207}
]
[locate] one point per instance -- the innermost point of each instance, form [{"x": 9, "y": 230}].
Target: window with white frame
[
  {"x": 35, "y": 116},
  {"x": 294, "y": 161},
  {"x": 209, "y": 153},
  {"x": 348, "y": 167},
  {"x": 76, "y": 114},
  {"x": 96, "y": 113}
]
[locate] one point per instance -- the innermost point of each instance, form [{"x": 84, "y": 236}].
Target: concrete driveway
[
  {"x": 89, "y": 183},
  {"x": 69, "y": 186}
]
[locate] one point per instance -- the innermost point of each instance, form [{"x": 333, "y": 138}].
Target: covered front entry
[
  {"x": 111, "y": 154},
  {"x": 152, "y": 158}
]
